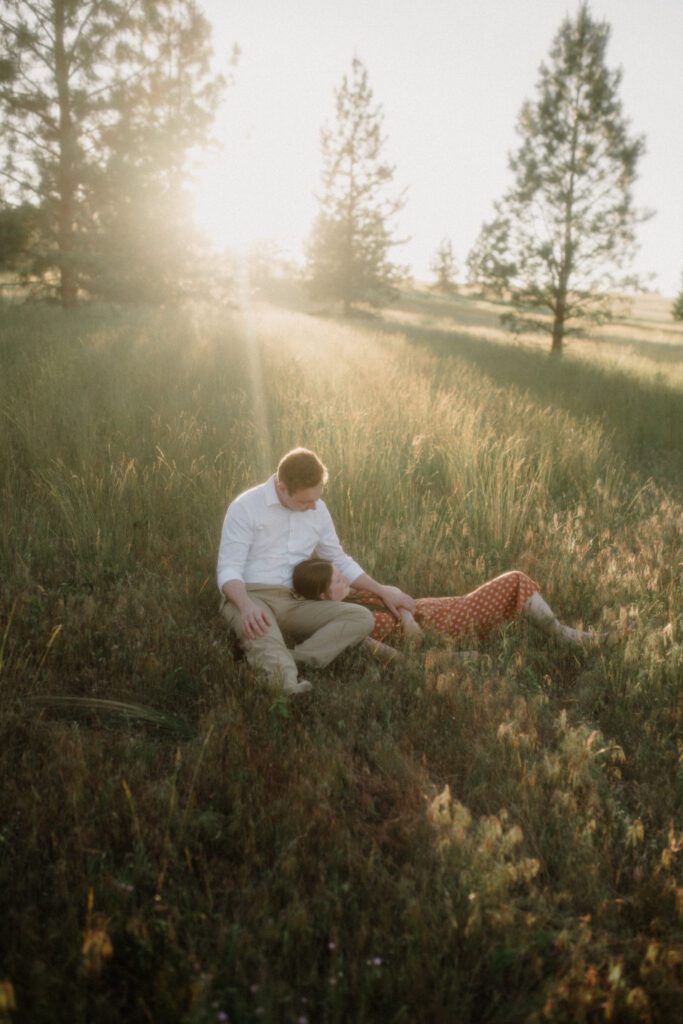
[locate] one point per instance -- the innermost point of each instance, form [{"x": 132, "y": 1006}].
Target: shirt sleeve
[
  {"x": 236, "y": 540},
  {"x": 328, "y": 547}
]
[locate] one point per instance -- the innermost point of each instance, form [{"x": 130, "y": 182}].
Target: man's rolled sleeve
[
  {"x": 236, "y": 540},
  {"x": 329, "y": 547}
]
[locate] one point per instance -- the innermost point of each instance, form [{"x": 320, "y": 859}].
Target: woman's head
[{"x": 318, "y": 580}]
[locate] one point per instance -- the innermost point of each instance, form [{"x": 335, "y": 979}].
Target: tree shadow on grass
[
  {"x": 665, "y": 352},
  {"x": 645, "y": 416}
]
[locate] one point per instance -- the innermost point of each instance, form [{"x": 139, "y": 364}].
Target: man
[{"x": 266, "y": 531}]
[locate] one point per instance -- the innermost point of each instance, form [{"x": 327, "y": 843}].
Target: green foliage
[
  {"x": 177, "y": 844},
  {"x": 20, "y": 231},
  {"x": 106, "y": 99},
  {"x": 564, "y": 234},
  {"x": 489, "y": 261},
  {"x": 444, "y": 267},
  {"x": 677, "y": 308},
  {"x": 348, "y": 252}
]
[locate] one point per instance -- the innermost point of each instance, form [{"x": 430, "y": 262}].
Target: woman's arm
[{"x": 410, "y": 626}]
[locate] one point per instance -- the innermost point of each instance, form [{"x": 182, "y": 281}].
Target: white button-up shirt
[{"x": 262, "y": 540}]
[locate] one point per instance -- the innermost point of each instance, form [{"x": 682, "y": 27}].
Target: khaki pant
[{"x": 321, "y": 630}]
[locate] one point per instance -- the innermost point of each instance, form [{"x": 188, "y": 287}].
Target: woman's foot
[
  {"x": 541, "y": 615},
  {"x": 589, "y": 640},
  {"x": 382, "y": 652}
]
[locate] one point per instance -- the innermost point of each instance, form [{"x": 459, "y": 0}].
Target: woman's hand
[{"x": 410, "y": 626}]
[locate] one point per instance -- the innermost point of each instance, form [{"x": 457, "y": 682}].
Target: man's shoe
[{"x": 300, "y": 686}]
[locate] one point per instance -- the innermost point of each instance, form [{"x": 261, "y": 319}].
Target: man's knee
[
  {"x": 362, "y": 618},
  {"x": 234, "y": 620}
]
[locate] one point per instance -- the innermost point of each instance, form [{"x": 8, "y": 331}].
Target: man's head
[{"x": 300, "y": 480}]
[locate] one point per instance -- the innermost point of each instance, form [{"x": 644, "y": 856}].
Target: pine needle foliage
[
  {"x": 677, "y": 309},
  {"x": 563, "y": 236},
  {"x": 348, "y": 251},
  {"x": 443, "y": 266},
  {"x": 100, "y": 102}
]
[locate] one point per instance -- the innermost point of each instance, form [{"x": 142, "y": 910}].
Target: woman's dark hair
[{"x": 312, "y": 577}]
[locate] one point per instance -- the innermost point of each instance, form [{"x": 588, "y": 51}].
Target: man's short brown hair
[{"x": 300, "y": 469}]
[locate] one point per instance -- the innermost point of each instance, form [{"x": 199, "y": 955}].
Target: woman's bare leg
[
  {"x": 381, "y": 651},
  {"x": 541, "y": 615}
]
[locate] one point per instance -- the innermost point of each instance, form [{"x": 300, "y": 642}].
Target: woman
[{"x": 500, "y": 600}]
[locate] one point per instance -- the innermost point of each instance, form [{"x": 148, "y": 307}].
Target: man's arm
[
  {"x": 392, "y": 597},
  {"x": 236, "y": 539},
  {"x": 329, "y": 547}
]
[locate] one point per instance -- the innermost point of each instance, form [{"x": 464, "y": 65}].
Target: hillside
[{"x": 496, "y": 843}]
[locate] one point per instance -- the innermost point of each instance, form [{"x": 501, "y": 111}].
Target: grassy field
[{"x": 176, "y": 844}]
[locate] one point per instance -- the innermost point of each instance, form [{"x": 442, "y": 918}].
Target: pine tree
[
  {"x": 22, "y": 248},
  {"x": 488, "y": 262},
  {"x": 100, "y": 100},
  {"x": 348, "y": 252},
  {"x": 564, "y": 234},
  {"x": 443, "y": 266},
  {"x": 677, "y": 308}
]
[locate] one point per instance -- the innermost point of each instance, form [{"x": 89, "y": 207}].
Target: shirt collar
[{"x": 271, "y": 493}]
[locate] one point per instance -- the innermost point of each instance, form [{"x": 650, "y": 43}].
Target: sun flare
[
  {"x": 242, "y": 197},
  {"x": 226, "y": 223}
]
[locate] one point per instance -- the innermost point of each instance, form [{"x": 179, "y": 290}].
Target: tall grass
[{"x": 179, "y": 845}]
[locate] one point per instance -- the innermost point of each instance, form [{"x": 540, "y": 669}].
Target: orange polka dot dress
[{"x": 476, "y": 614}]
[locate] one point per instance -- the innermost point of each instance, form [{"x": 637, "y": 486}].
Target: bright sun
[
  {"x": 244, "y": 197},
  {"x": 221, "y": 207}
]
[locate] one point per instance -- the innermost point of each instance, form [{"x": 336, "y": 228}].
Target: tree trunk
[
  {"x": 558, "y": 336},
  {"x": 66, "y": 186},
  {"x": 559, "y": 318},
  {"x": 68, "y": 278},
  {"x": 567, "y": 265}
]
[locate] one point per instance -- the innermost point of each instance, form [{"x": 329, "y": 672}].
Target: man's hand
[
  {"x": 395, "y": 599},
  {"x": 255, "y": 622}
]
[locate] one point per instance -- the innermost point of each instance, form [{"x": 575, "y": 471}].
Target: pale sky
[{"x": 451, "y": 77}]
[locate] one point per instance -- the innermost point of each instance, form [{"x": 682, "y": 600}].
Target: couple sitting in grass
[{"x": 283, "y": 573}]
